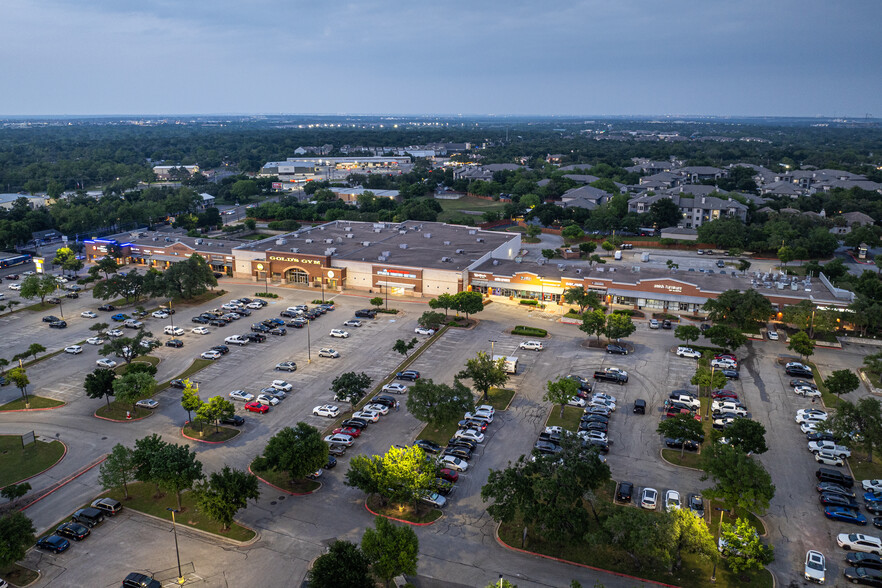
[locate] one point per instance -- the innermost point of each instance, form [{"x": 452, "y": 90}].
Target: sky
[{"x": 516, "y": 57}]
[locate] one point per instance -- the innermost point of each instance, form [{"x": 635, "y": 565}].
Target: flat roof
[
  {"x": 410, "y": 243},
  {"x": 162, "y": 239}
]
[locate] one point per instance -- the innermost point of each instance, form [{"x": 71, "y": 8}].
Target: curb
[
  {"x": 572, "y": 563},
  {"x": 34, "y": 409},
  {"x": 95, "y": 414},
  {"x": 64, "y": 483},
  {"x": 401, "y": 520},
  {"x": 662, "y": 457},
  {"x": 282, "y": 489},
  {"x": 205, "y": 533},
  {"x": 63, "y": 455},
  {"x": 185, "y": 436}
]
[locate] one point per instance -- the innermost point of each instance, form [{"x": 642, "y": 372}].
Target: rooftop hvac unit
[
  {"x": 612, "y": 269},
  {"x": 321, "y": 228},
  {"x": 635, "y": 268},
  {"x": 446, "y": 259},
  {"x": 295, "y": 250},
  {"x": 460, "y": 251},
  {"x": 473, "y": 232},
  {"x": 329, "y": 241},
  {"x": 794, "y": 286},
  {"x": 402, "y": 245},
  {"x": 307, "y": 241},
  {"x": 480, "y": 240},
  {"x": 377, "y": 230},
  {"x": 560, "y": 266},
  {"x": 280, "y": 241},
  {"x": 600, "y": 269},
  {"x": 365, "y": 243},
  {"x": 329, "y": 252},
  {"x": 541, "y": 261},
  {"x": 385, "y": 254},
  {"x": 427, "y": 235},
  {"x": 578, "y": 270},
  {"x": 447, "y": 242},
  {"x": 199, "y": 241},
  {"x": 340, "y": 239},
  {"x": 495, "y": 262},
  {"x": 381, "y": 258},
  {"x": 156, "y": 238},
  {"x": 349, "y": 236},
  {"x": 402, "y": 231},
  {"x": 347, "y": 229}
]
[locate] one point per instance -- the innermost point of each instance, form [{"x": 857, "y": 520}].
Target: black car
[
  {"x": 602, "y": 446},
  {"x": 174, "y": 343},
  {"x": 53, "y": 543},
  {"x": 384, "y": 400},
  {"x": 617, "y": 349},
  {"x": 547, "y": 448},
  {"x": 583, "y": 383},
  {"x": 835, "y": 476},
  {"x": 798, "y": 382},
  {"x": 88, "y": 516},
  {"x": 296, "y": 323},
  {"x": 75, "y": 531},
  {"x": 866, "y": 576},
  {"x": 216, "y": 322},
  {"x": 279, "y": 331},
  {"x": 679, "y": 443},
  {"x": 365, "y": 313},
  {"x": 602, "y": 427},
  {"x": 874, "y": 508},
  {"x": 429, "y": 446},
  {"x": 704, "y": 327},
  {"x": 234, "y": 420},
  {"x": 666, "y": 324},
  {"x": 461, "y": 442},
  {"x": 798, "y": 372},
  {"x": 200, "y": 319},
  {"x": 731, "y": 374},
  {"x": 550, "y": 437},
  {"x": 50, "y": 319},
  {"x": 255, "y": 337},
  {"x": 828, "y": 499},
  {"x": 877, "y": 522},
  {"x": 107, "y": 307},
  {"x": 58, "y": 325},
  {"x": 179, "y": 384},
  {"x": 460, "y": 452},
  {"x": 594, "y": 418},
  {"x": 477, "y": 425},
  {"x": 864, "y": 560},
  {"x": 136, "y": 580},
  {"x": 411, "y": 375},
  {"x": 820, "y": 436},
  {"x": 696, "y": 504},
  {"x": 222, "y": 349},
  {"x": 332, "y": 462},
  {"x": 289, "y": 314},
  {"x": 831, "y": 488},
  {"x": 443, "y": 487},
  {"x": 71, "y": 295},
  {"x": 626, "y": 490},
  {"x": 355, "y": 423},
  {"x": 260, "y": 328}
]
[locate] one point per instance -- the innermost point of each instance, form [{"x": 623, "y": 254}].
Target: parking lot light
[{"x": 177, "y": 551}]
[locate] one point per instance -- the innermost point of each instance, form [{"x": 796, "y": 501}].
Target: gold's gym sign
[{"x": 294, "y": 259}]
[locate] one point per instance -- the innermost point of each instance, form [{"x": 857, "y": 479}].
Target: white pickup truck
[{"x": 829, "y": 446}]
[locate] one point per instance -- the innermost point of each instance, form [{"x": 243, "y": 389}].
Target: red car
[
  {"x": 256, "y": 407},
  {"x": 674, "y": 412},
  {"x": 448, "y": 474},
  {"x": 726, "y": 356},
  {"x": 351, "y": 431},
  {"x": 724, "y": 394}
]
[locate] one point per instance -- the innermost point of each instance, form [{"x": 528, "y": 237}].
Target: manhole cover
[
  {"x": 273, "y": 502},
  {"x": 104, "y": 438},
  {"x": 281, "y": 498}
]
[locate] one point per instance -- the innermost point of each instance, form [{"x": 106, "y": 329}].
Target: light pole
[
  {"x": 308, "y": 343},
  {"x": 177, "y": 551},
  {"x": 323, "y": 289},
  {"x": 714, "y": 572},
  {"x": 710, "y": 396},
  {"x": 492, "y": 341},
  {"x": 386, "y": 288},
  {"x": 171, "y": 315}
]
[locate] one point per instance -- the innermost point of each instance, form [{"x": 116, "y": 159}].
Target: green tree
[
  {"x": 106, "y": 265},
  {"x": 582, "y": 298},
  {"x": 391, "y": 549},
  {"x": 725, "y": 336},
  {"x": 244, "y": 190},
  {"x": 618, "y": 326},
  {"x": 647, "y": 538},
  {"x": 593, "y": 323},
  {"x": 445, "y": 301},
  {"x": 842, "y": 382},
  {"x": 250, "y": 224},
  {"x": 403, "y": 347},
  {"x": 214, "y": 410},
  {"x": 377, "y": 301},
  {"x": 35, "y": 349},
  {"x": 118, "y": 469},
  {"x": 175, "y": 468},
  {"x": 665, "y": 213},
  {"x": 747, "y": 435},
  {"x": 484, "y": 373},
  {"x": 343, "y": 565},
  {"x": 133, "y": 387},
  {"x": 62, "y": 256},
  {"x": 146, "y": 448},
  {"x": 786, "y": 254},
  {"x": 128, "y": 348},
  {"x": 560, "y": 391},
  {"x": 438, "y": 403},
  {"x": 745, "y": 549},
  {"x": 801, "y": 344},
  {"x": 15, "y": 491},
  {"x": 225, "y": 493},
  {"x": 431, "y": 320},
  {"x": 19, "y": 378},
  {"x": 572, "y": 232},
  {"x": 403, "y": 475},
  {"x": 873, "y": 363},
  {"x": 99, "y": 384},
  {"x": 708, "y": 379},
  {"x": 743, "y": 265},
  {"x": 687, "y": 333},
  {"x": 468, "y": 303},
  {"x": 16, "y": 537},
  {"x": 188, "y": 279},
  {"x": 741, "y": 482},
  {"x": 691, "y": 535},
  {"x": 190, "y": 400},
  {"x": 858, "y": 425},
  {"x": 298, "y": 451},
  {"x": 549, "y": 253},
  {"x": 607, "y": 246},
  {"x": 587, "y": 247},
  {"x": 683, "y": 427},
  {"x": 533, "y": 231},
  {"x": 741, "y": 309},
  {"x": 38, "y": 287},
  {"x": 350, "y": 387}
]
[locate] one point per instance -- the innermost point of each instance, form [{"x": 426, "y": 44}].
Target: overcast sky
[{"x": 586, "y": 57}]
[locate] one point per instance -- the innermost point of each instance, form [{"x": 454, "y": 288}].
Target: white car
[
  {"x": 827, "y": 458},
  {"x": 339, "y": 333},
  {"x": 724, "y": 364},
  {"x": 815, "y": 566},
  {"x": 773, "y": 335},
  {"x": 811, "y": 417},
  {"x": 339, "y": 439},
  {"x": 479, "y": 415},
  {"x": 395, "y": 388},
  {"x": 211, "y": 354},
  {"x": 486, "y": 408},
  {"x": 15, "y": 286},
  {"x": 872, "y": 485},
  {"x": 352, "y": 323},
  {"x": 648, "y": 498},
  {"x": 231, "y": 306},
  {"x": 254, "y": 305},
  {"x": 326, "y": 410},
  {"x": 61, "y": 280},
  {"x": 160, "y": 314},
  {"x": 672, "y": 500},
  {"x": 177, "y": 331},
  {"x": 829, "y": 446},
  {"x": 236, "y": 340},
  {"x": 114, "y": 333},
  {"x": 73, "y": 349},
  {"x": 241, "y": 396},
  {"x": 267, "y": 400},
  {"x": 88, "y": 314},
  {"x": 95, "y": 341},
  {"x": 554, "y": 430},
  {"x": 200, "y": 330},
  {"x": 808, "y": 427},
  {"x": 606, "y": 397},
  {"x": 688, "y": 352},
  {"x": 859, "y": 542},
  {"x": 147, "y": 403},
  {"x": 809, "y": 411},
  {"x": 796, "y": 364},
  {"x": 424, "y": 331},
  {"x": 282, "y": 385},
  {"x": 106, "y": 363},
  {"x": 470, "y": 434},
  {"x": 328, "y": 352},
  {"x": 367, "y": 415},
  {"x": 378, "y": 408},
  {"x": 454, "y": 463},
  {"x": 807, "y": 391},
  {"x": 531, "y": 345},
  {"x": 592, "y": 436},
  {"x": 603, "y": 403},
  {"x": 576, "y": 401}
]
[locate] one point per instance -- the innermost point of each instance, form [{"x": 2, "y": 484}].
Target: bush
[
  {"x": 529, "y": 331},
  {"x": 84, "y": 281},
  {"x": 331, "y": 302},
  {"x": 283, "y": 225},
  {"x": 625, "y": 311},
  {"x": 266, "y": 294},
  {"x": 529, "y": 302}
]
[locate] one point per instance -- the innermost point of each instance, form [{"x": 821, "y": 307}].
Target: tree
[
  {"x": 16, "y": 537},
  {"x": 687, "y": 333},
  {"x": 743, "y": 265},
  {"x": 741, "y": 309},
  {"x": 747, "y": 435},
  {"x": 98, "y": 327},
  {"x": 588, "y": 247},
  {"x": 431, "y": 320},
  {"x": 403, "y": 475},
  {"x": 350, "y": 387},
  {"x": 786, "y": 254},
  {"x": 873, "y": 363},
  {"x": 391, "y": 549},
  {"x": 188, "y": 279},
  {"x": 107, "y": 265},
  {"x": 99, "y": 384},
  {"x": 691, "y": 535},
  {"x": 572, "y": 232},
  {"x": 801, "y": 344},
  {"x": 484, "y": 373},
  {"x": 560, "y": 391},
  {"x": 377, "y": 301},
  {"x": 842, "y": 382},
  {"x": 582, "y": 298},
  {"x": 225, "y": 493},
  {"x": 146, "y": 448},
  {"x": 607, "y": 246},
  {"x": 709, "y": 379},
  {"x": 34, "y": 349},
  {"x": 299, "y": 451},
  {"x": 175, "y": 468},
  {"x": 468, "y": 303},
  {"x": 438, "y": 403},
  {"x": 741, "y": 482},
  {"x": 243, "y": 190},
  {"x": 744, "y": 547},
  {"x": 683, "y": 427},
  {"x": 618, "y": 326},
  {"x": 858, "y": 424},
  {"x": 593, "y": 323},
  {"x": 250, "y": 224},
  {"x": 19, "y": 378},
  {"x": 533, "y": 231},
  {"x": 133, "y": 387},
  {"x": 549, "y": 253},
  {"x": 402, "y": 347},
  {"x": 445, "y": 301},
  {"x": 725, "y": 336},
  {"x": 128, "y": 348},
  {"x": 343, "y": 565},
  {"x": 214, "y": 410},
  {"x": 118, "y": 469},
  {"x": 190, "y": 400},
  {"x": 62, "y": 256},
  {"x": 664, "y": 212},
  {"x": 647, "y": 538},
  {"x": 15, "y": 491},
  {"x": 38, "y": 287}
]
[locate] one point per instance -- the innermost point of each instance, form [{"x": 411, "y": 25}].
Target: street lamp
[
  {"x": 492, "y": 341},
  {"x": 308, "y": 343},
  {"x": 177, "y": 551},
  {"x": 323, "y": 289},
  {"x": 171, "y": 315},
  {"x": 722, "y": 510}
]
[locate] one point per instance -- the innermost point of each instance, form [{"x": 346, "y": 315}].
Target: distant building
[
  {"x": 174, "y": 172},
  {"x": 7, "y": 200}
]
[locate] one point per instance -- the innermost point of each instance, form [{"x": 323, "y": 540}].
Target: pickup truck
[
  {"x": 829, "y": 446},
  {"x": 612, "y": 375}
]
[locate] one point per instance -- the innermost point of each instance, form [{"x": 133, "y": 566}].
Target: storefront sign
[
  {"x": 396, "y": 274},
  {"x": 503, "y": 280},
  {"x": 294, "y": 259},
  {"x": 572, "y": 284},
  {"x": 481, "y": 276},
  {"x": 668, "y": 287}
]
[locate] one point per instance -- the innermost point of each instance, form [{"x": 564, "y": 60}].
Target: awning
[
  {"x": 396, "y": 285},
  {"x": 169, "y": 258},
  {"x": 670, "y": 297}
]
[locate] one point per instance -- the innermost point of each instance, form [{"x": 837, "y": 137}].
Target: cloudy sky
[{"x": 586, "y": 57}]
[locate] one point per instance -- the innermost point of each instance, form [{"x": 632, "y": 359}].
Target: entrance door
[{"x": 297, "y": 276}]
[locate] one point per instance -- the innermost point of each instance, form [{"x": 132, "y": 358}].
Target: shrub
[
  {"x": 266, "y": 294},
  {"x": 331, "y": 302},
  {"x": 625, "y": 311},
  {"x": 529, "y": 331},
  {"x": 530, "y": 302},
  {"x": 283, "y": 225}
]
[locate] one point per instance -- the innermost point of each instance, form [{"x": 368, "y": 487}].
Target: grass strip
[
  {"x": 210, "y": 433},
  {"x": 198, "y": 365},
  {"x": 34, "y": 401},
  {"x": 19, "y": 462},
  {"x": 406, "y": 512},
  {"x": 18, "y": 575},
  {"x": 690, "y": 459},
  {"x": 284, "y": 481},
  {"x": 571, "y": 417}
]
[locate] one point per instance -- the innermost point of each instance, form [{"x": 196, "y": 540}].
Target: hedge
[
  {"x": 529, "y": 302},
  {"x": 529, "y": 331}
]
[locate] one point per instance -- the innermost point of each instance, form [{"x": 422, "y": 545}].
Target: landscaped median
[
  {"x": 209, "y": 433},
  {"x": 440, "y": 433},
  {"x": 20, "y": 463},
  {"x": 34, "y": 403},
  {"x": 280, "y": 480},
  {"x": 405, "y": 513}
]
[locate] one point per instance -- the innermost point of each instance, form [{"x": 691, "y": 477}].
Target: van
[
  {"x": 639, "y": 406},
  {"x": 618, "y": 255}
]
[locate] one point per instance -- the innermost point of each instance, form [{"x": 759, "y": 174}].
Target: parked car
[
  {"x": 328, "y": 352},
  {"x": 241, "y": 396},
  {"x": 254, "y": 406},
  {"x": 108, "y": 505},
  {"x": 845, "y": 514},
  {"x": 626, "y": 489},
  {"x": 866, "y": 576},
  {"x": 53, "y": 543},
  {"x": 616, "y": 349},
  {"x": 88, "y": 516},
  {"x": 418, "y": 330},
  {"x": 648, "y": 498},
  {"x": 410, "y": 375},
  {"x": 73, "y": 530},
  {"x": 136, "y": 580},
  {"x": 531, "y": 345}
]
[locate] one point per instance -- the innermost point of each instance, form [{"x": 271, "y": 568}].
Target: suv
[
  {"x": 834, "y": 476},
  {"x": 88, "y": 516},
  {"x": 136, "y": 580},
  {"x": 366, "y": 313},
  {"x": 108, "y": 505},
  {"x": 626, "y": 489}
]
